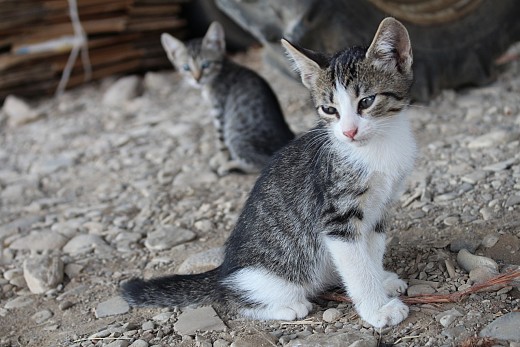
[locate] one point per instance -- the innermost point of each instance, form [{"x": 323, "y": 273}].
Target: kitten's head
[
  {"x": 199, "y": 60},
  {"x": 357, "y": 91}
]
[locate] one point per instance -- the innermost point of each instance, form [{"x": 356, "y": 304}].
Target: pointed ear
[
  {"x": 215, "y": 38},
  {"x": 391, "y": 46},
  {"x": 172, "y": 46},
  {"x": 303, "y": 62}
]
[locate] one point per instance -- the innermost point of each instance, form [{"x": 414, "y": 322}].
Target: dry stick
[{"x": 503, "y": 280}]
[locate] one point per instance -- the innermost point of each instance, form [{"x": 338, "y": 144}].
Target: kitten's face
[
  {"x": 358, "y": 92},
  {"x": 199, "y": 61}
]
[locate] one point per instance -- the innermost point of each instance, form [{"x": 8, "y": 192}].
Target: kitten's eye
[
  {"x": 186, "y": 67},
  {"x": 329, "y": 110},
  {"x": 205, "y": 65},
  {"x": 366, "y": 102}
]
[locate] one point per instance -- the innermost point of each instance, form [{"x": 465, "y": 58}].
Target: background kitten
[
  {"x": 317, "y": 214},
  {"x": 245, "y": 110}
]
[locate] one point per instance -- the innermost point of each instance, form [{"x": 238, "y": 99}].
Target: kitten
[
  {"x": 245, "y": 110},
  {"x": 317, "y": 215}
]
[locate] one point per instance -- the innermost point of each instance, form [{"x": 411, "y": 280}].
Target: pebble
[
  {"x": 123, "y": 90},
  {"x": 512, "y": 200},
  {"x": 168, "y": 236},
  {"x": 474, "y": 177},
  {"x": 42, "y": 273},
  {"x": 84, "y": 243},
  {"x": 18, "y": 111},
  {"x": 220, "y": 343},
  {"x": 500, "y": 166},
  {"x": 481, "y": 274},
  {"x": 40, "y": 240},
  {"x": 446, "y": 318},
  {"x": 203, "y": 261},
  {"x": 470, "y": 261},
  {"x": 18, "y": 302},
  {"x": 504, "y": 328},
  {"x": 162, "y": 317},
  {"x": 148, "y": 325},
  {"x": 118, "y": 343},
  {"x": 41, "y": 316},
  {"x": 111, "y": 307},
  {"x": 489, "y": 240},
  {"x": 419, "y": 289},
  {"x": 199, "y": 319},
  {"x": 490, "y": 139},
  {"x": 139, "y": 343},
  {"x": 331, "y": 315},
  {"x": 65, "y": 305},
  {"x": 256, "y": 340}
]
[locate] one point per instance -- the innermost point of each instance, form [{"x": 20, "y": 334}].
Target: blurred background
[{"x": 456, "y": 43}]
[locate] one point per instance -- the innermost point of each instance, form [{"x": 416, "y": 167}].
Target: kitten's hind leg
[
  {"x": 266, "y": 296},
  {"x": 237, "y": 165}
]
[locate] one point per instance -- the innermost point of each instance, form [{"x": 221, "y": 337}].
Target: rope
[{"x": 80, "y": 43}]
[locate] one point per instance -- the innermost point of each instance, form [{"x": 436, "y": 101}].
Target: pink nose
[{"x": 350, "y": 133}]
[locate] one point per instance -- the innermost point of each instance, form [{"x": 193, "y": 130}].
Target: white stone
[
  {"x": 200, "y": 319},
  {"x": 42, "y": 273},
  {"x": 168, "y": 236},
  {"x": 18, "y": 302},
  {"x": 470, "y": 261},
  {"x": 123, "y": 90},
  {"x": 84, "y": 243},
  {"x": 111, "y": 307},
  {"x": 490, "y": 139},
  {"x": 40, "y": 240},
  {"x": 331, "y": 315},
  {"x": 18, "y": 111},
  {"x": 41, "y": 316},
  {"x": 203, "y": 261}
]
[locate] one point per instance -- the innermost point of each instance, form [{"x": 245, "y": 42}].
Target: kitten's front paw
[
  {"x": 394, "y": 286},
  {"x": 392, "y": 313}
]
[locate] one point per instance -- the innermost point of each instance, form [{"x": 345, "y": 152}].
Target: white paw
[
  {"x": 292, "y": 311},
  {"x": 391, "y": 313},
  {"x": 394, "y": 286}
]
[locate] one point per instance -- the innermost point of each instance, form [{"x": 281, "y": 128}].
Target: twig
[
  {"x": 101, "y": 339},
  {"x": 503, "y": 279}
]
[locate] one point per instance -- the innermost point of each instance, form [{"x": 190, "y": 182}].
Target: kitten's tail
[{"x": 176, "y": 290}]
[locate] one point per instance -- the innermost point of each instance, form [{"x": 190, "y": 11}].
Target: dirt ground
[{"x": 100, "y": 182}]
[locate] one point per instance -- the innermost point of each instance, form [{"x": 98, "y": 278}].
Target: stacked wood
[{"x": 123, "y": 36}]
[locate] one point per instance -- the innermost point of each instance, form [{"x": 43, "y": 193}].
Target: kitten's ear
[
  {"x": 391, "y": 46},
  {"x": 215, "y": 38},
  {"x": 305, "y": 62},
  {"x": 172, "y": 46}
]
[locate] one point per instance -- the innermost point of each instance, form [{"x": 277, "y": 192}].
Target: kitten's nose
[
  {"x": 197, "y": 75},
  {"x": 350, "y": 133}
]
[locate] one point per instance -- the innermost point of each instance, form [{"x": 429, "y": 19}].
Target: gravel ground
[{"x": 116, "y": 180}]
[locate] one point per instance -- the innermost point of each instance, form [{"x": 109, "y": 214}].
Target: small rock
[
  {"x": 481, "y": 274},
  {"x": 331, "y": 315},
  {"x": 168, "y": 236},
  {"x": 111, "y": 307},
  {"x": 203, "y": 261},
  {"x": 504, "y": 328},
  {"x": 446, "y": 318},
  {"x": 220, "y": 343},
  {"x": 18, "y": 111},
  {"x": 41, "y": 316},
  {"x": 490, "y": 139},
  {"x": 139, "y": 343},
  {"x": 123, "y": 90},
  {"x": 65, "y": 305},
  {"x": 445, "y": 197},
  {"x": 202, "y": 318},
  {"x": 474, "y": 177},
  {"x": 148, "y": 325},
  {"x": 458, "y": 244},
  {"x": 162, "y": 317},
  {"x": 500, "y": 166},
  {"x": 469, "y": 261},
  {"x": 18, "y": 302},
  {"x": 452, "y": 220},
  {"x": 513, "y": 200},
  {"x": 419, "y": 289},
  {"x": 489, "y": 240},
  {"x": 42, "y": 273},
  {"x": 40, "y": 240},
  {"x": 450, "y": 268},
  {"x": 84, "y": 243}
]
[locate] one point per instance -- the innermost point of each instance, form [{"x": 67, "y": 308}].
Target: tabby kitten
[
  {"x": 244, "y": 108},
  {"x": 317, "y": 215}
]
